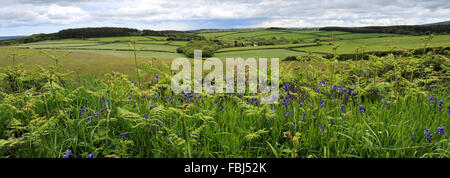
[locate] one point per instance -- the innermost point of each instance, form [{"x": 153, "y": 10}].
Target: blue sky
[{"x": 25, "y": 17}]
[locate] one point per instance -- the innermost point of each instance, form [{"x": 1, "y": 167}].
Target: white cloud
[{"x": 183, "y": 14}]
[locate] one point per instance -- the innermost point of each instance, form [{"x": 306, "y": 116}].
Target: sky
[{"x": 26, "y": 17}]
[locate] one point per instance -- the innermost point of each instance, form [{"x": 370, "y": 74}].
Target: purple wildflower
[
  {"x": 342, "y": 108},
  {"x": 322, "y": 103},
  {"x": 124, "y": 136},
  {"x": 81, "y": 111},
  {"x": 323, "y": 129},
  {"x": 91, "y": 156},
  {"x": 287, "y": 114},
  {"x": 362, "y": 109},
  {"x": 67, "y": 154},
  {"x": 428, "y": 138},
  {"x": 441, "y": 130},
  {"x": 286, "y": 87}
]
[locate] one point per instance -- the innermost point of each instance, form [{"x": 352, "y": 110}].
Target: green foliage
[
  {"x": 208, "y": 48},
  {"x": 43, "y": 113}
]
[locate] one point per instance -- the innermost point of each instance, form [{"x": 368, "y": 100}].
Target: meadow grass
[
  {"x": 110, "y": 116},
  {"x": 384, "y": 107}
]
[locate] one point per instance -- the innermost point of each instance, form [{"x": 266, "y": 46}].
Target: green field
[{"x": 381, "y": 44}]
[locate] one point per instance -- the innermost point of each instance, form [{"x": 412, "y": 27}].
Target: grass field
[{"x": 381, "y": 44}]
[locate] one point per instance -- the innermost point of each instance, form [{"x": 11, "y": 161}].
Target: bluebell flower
[
  {"x": 157, "y": 77},
  {"x": 318, "y": 90},
  {"x": 103, "y": 99},
  {"x": 413, "y": 136},
  {"x": 130, "y": 97},
  {"x": 286, "y": 87},
  {"x": 300, "y": 105},
  {"x": 91, "y": 156},
  {"x": 441, "y": 130},
  {"x": 303, "y": 118},
  {"x": 342, "y": 108},
  {"x": 156, "y": 95},
  {"x": 362, "y": 109},
  {"x": 81, "y": 111},
  {"x": 124, "y": 136},
  {"x": 133, "y": 82},
  {"x": 323, "y": 129},
  {"x": 425, "y": 131},
  {"x": 287, "y": 114},
  {"x": 67, "y": 154},
  {"x": 322, "y": 103},
  {"x": 134, "y": 106},
  {"x": 145, "y": 116},
  {"x": 432, "y": 98},
  {"x": 341, "y": 90},
  {"x": 285, "y": 102},
  {"x": 96, "y": 114},
  {"x": 428, "y": 138}
]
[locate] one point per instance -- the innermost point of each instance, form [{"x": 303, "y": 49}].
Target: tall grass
[{"x": 318, "y": 115}]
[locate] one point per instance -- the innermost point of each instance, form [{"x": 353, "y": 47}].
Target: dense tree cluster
[
  {"x": 173, "y": 35},
  {"x": 403, "y": 29},
  {"x": 103, "y": 32},
  {"x": 96, "y": 32},
  {"x": 208, "y": 48}
]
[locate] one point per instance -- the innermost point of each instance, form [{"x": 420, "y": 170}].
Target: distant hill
[
  {"x": 438, "y": 23},
  {"x": 9, "y": 37}
]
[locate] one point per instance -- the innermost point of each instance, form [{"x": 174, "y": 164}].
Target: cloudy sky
[{"x": 25, "y": 17}]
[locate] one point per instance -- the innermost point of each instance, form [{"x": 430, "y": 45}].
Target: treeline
[
  {"x": 445, "y": 51},
  {"x": 173, "y": 35},
  {"x": 402, "y": 29},
  {"x": 84, "y": 33},
  {"x": 97, "y": 32}
]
